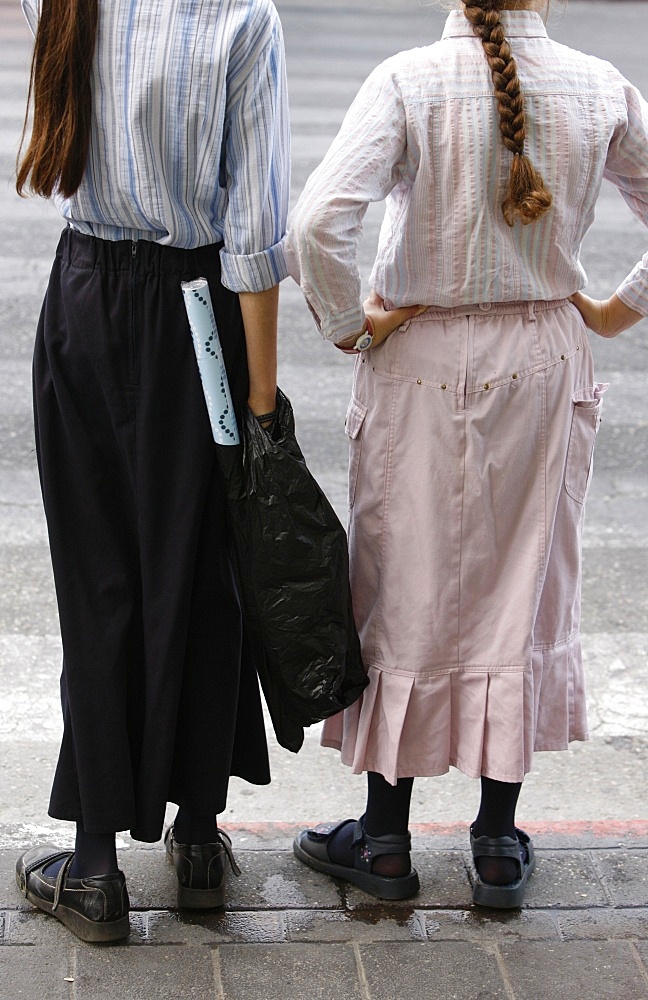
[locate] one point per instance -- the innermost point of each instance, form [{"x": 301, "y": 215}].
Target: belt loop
[{"x": 531, "y": 310}]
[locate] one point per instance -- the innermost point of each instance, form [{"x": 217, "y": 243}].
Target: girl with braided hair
[{"x": 473, "y": 415}]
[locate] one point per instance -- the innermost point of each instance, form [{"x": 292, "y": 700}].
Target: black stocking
[
  {"x": 496, "y": 818},
  {"x": 388, "y": 806},
  {"x": 190, "y": 829},
  {"x": 387, "y": 812},
  {"x": 94, "y": 854}
]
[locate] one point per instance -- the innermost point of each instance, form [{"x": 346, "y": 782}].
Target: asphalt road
[{"x": 331, "y": 47}]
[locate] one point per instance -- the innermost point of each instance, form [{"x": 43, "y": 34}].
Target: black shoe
[
  {"x": 201, "y": 870},
  {"x": 94, "y": 908},
  {"x": 311, "y": 847},
  {"x": 520, "y": 849}
]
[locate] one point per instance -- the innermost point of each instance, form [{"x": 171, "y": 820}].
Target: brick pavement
[{"x": 290, "y": 933}]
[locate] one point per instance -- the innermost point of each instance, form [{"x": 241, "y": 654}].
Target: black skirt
[{"x": 160, "y": 702}]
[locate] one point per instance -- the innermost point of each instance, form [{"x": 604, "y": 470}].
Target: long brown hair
[
  {"x": 60, "y": 84},
  {"x": 526, "y": 198}
]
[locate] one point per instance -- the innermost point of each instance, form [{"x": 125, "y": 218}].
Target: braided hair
[{"x": 526, "y": 197}]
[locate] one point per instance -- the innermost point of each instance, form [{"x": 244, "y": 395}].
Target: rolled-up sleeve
[
  {"x": 324, "y": 230},
  {"x": 634, "y": 290},
  {"x": 31, "y": 10},
  {"x": 256, "y": 161},
  {"x": 627, "y": 168}
]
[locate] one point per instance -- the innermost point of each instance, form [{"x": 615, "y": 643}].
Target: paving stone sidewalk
[{"x": 290, "y": 933}]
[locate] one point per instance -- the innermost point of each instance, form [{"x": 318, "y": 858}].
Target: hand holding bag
[{"x": 291, "y": 552}]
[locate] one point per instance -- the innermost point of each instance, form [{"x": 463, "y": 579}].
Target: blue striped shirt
[{"x": 190, "y": 135}]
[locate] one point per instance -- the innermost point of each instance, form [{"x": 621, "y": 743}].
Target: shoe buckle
[{"x": 60, "y": 881}]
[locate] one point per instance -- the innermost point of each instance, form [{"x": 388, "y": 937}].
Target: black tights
[
  {"x": 191, "y": 829},
  {"x": 496, "y": 818},
  {"x": 388, "y": 808},
  {"x": 96, "y": 854},
  {"x": 387, "y": 811}
]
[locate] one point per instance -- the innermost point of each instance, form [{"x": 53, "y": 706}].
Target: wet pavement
[{"x": 288, "y": 932}]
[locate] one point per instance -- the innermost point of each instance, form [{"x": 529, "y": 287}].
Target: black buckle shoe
[
  {"x": 520, "y": 850},
  {"x": 311, "y": 847},
  {"x": 94, "y": 908},
  {"x": 201, "y": 870}
]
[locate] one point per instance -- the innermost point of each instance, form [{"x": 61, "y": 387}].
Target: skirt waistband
[
  {"x": 492, "y": 309},
  {"x": 89, "y": 252}
]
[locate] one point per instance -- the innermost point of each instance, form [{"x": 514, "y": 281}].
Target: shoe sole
[
  {"x": 503, "y": 897},
  {"x": 382, "y": 887},
  {"x": 200, "y": 899},
  {"x": 92, "y": 931}
]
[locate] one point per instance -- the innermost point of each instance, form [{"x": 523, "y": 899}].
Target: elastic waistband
[
  {"x": 493, "y": 309},
  {"x": 89, "y": 252}
]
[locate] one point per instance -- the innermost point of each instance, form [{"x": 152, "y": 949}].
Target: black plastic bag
[{"x": 293, "y": 569}]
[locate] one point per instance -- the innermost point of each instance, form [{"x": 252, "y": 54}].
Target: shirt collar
[{"x": 517, "y": 24}]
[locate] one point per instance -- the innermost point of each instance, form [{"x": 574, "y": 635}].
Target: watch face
[{"x": 363, "y": 342}]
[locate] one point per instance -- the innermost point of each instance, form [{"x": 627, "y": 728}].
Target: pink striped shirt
[{"x": 423, "y": 134}]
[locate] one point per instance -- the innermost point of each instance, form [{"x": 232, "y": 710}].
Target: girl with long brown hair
[
  {"x": 161, "y": 131},
  {"x": 473, "y": 415}
]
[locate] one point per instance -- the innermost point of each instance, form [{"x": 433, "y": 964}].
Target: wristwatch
[{"x": 365, "y": 339}]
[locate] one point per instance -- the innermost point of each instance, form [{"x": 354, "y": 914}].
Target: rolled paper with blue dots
[{"x": 209, "y": 355}]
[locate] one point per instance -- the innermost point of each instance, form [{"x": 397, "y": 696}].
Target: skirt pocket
[
  {"x": 356, "y": 414},
  {"x": 586, "y": 418}
]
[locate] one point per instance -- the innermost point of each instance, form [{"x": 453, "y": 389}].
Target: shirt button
[{"x": 485, "y": 306}]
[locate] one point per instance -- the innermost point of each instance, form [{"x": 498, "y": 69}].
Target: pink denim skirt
[{"x": 471, "y": 439}]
